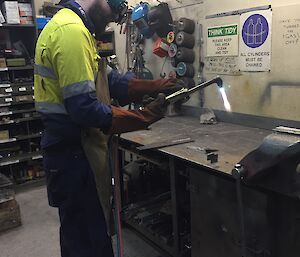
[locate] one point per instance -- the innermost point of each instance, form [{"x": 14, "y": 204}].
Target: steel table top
[{"x": 232, "y": 141}]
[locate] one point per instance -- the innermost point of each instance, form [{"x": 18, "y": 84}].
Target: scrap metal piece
[
  {"x": 212, "y": 157},
  {"x": 200, "y": 149},
  {"x": 165, "y": 143},
  {"x": 208, "y": 116}
]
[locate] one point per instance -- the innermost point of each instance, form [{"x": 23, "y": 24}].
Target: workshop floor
[{"x": 38, "y": 236}]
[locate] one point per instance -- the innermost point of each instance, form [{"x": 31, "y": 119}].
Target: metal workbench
[{"x": 231, "y": 142}]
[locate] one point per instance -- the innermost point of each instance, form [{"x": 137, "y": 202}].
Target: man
[{"x": 66, "y": 79}]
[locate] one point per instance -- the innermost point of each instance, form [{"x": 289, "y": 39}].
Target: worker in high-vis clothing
[{"x": 72, "y": 93}]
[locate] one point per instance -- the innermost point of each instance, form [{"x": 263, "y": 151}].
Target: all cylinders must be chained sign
[{"x": 255, "y": 41}]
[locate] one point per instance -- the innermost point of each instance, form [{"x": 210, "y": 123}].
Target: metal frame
[
  {"x": 164, "y": 249},
  {"x": 174, "y": 198}
]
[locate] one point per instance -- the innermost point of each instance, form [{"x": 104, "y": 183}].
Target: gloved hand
[
  {"x": 137, "y": 88},
  {"x": 131, "y": 120}
]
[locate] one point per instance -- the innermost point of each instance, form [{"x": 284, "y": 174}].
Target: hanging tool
[
  {"x": 190, "y": 82},
  {"x": 172, "y": 50},
  {"x": 171, "y": 37},
  {"x": 185, "y": 69},
  {"x": 185, "y": 55},
  {"x": 185, "y": 92},
  {"x": 186, "y": 25},
  {"x": 161, "y": 47},
  {"x": 185, "y": 40},
  {"x": 140, "y": 19}
]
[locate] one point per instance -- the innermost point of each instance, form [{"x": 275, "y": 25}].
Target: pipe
[{"x": 184, "y": 92}]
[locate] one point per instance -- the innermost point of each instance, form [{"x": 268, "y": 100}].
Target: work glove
[
  {"x": 131, "y": 120},
  {"x": 137, "y": 88}
]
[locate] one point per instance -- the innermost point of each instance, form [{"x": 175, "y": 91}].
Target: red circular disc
[{"x": 170, "y": 37}]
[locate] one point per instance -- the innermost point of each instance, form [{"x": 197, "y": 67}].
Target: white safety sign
[
  {"x": 223, "y": 41},
  {"x": 255, "y": 41}
]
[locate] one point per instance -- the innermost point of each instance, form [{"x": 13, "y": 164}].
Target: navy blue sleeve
[
  {"x": 87, "y": 111},
  {"x": 118, "y": 86}
]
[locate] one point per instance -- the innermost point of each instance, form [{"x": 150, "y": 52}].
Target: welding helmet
[{"x": 119, "y": 9}]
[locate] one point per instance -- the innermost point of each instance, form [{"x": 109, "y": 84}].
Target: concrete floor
[{"x": 38, "y": 236}]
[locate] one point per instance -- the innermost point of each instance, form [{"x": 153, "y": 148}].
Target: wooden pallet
[{"x": 10, "y": 216}]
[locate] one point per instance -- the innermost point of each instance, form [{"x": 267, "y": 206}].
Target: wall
[{"x": 272, "y": 94}]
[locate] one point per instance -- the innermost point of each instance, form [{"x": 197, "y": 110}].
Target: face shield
[{"x": 119, "y": 9}]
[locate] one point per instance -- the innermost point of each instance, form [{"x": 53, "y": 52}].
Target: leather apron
[{"x": 95, "y": 145}]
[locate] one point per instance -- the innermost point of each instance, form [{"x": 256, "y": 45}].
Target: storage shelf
[
  {"x": 106, "y": 51},
  {"x": 29, "y": 83},
  {"x": 8, "y": 113},
  {"x": 21, "y": 158},
  {"x": 8, "y": 84},
  {"x": 155, "y": 240},
  {"x": 16, "y": 103},
  {"x": 27, "y": 185},
  {"x": 20, "y": 138},
  {"x": 18, "y": 117},
  {"x": 5, "y": 25},
  {"x": 20, "y": 93},
  {"x": 26, "y": 67},
  {"x": 16, "y": 121}
]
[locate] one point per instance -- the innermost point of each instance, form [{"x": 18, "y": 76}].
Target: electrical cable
[
  {"x": 112, "y": 154},
  {"x": 161, "y": 74}
]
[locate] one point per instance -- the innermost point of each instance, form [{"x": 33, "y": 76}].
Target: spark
[{"x": 227, "y": 105}]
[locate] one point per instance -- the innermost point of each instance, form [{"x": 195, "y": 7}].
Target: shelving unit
[
  {"x": 20, "y": 124},
  {"x": 17, "y": 25}
]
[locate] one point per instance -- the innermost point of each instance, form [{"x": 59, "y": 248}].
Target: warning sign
[
  {"x": 255, "y": 41},
  {"x": 223, "y": 41}
]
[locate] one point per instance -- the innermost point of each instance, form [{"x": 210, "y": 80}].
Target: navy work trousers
[{"x": 71, "y": 188}]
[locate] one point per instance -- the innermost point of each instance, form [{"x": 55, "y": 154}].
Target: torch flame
[{"x": 227, "y": 105}]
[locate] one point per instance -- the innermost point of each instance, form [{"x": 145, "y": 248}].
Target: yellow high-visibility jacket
[{"x": 66, "y": 63}]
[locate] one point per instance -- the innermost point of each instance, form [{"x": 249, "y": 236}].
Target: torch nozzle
[{"x": 219, "y": 82}]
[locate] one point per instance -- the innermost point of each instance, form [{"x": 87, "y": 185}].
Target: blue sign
[{"x": 255, "y": 31}]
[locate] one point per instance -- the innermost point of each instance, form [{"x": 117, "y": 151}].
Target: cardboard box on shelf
[
  {"x": 24, "y": 98},
  {"x": 15, "y": 62},
  {"x": 2, "y": 20},
  {"x": 105, "y": 46},
  {"x": 3, "y": 63},
  {"x": 26, "y": 20},
  {"x": 11, "y": 12},
  {"x": 4, "y": 134},
  {"x": 25, "y": 9}
]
